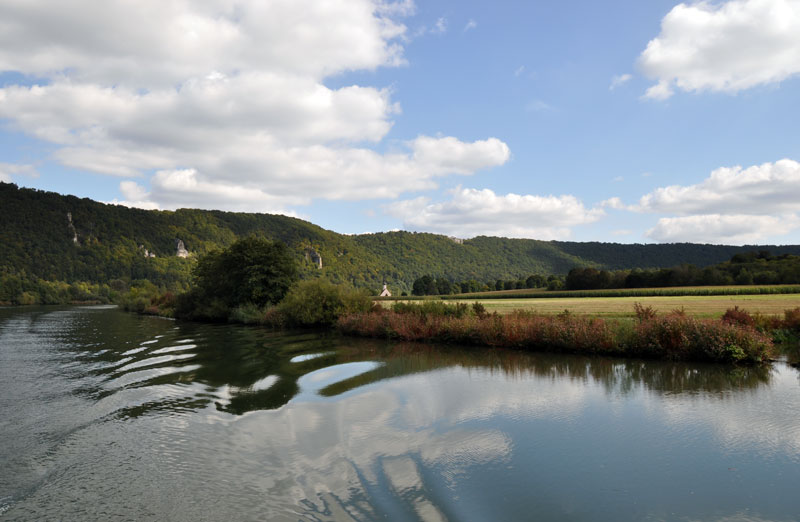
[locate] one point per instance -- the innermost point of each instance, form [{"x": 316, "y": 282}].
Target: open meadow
[{"x": 711, "y": 306}]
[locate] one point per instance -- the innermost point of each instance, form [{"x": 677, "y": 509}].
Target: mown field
[
  {"x": 697, "y": 305},
  {"x": 541, "y": 293}
]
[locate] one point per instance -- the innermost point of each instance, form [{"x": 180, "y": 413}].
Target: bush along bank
[{"x": 673, "y": 336}]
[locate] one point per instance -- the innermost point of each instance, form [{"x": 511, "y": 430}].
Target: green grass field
[
  {"x": 699, "y": 306},
  {"x": 634, "y": 292},
  {"x": 700, "y": 301}
]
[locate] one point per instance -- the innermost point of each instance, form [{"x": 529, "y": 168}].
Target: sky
[{"x": 620, "y": 121}]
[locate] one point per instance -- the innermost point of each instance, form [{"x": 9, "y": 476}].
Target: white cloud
[
  {"x": 615, "y": 203},
  {"x": 733, "y": 205},
  {"x": 727, "y": 46},
  {"x": 722, "y": 229},
  {"x": 227, "y": 104},
  {"x": 618, "y": 81},
  {"x": 472, "y": 24},
  {"x": 135, "y": 196},
  {"x": 770, "y": 188},
  {"x": 449, "y": 155},
  {"x": 519, "y": 71},
  {"x": 440, "y": 27},
  {"x": 7, "y": 170},
  {"x": 162, "y": 43},
  {"x": 473, "y": 212},
  {"x": 538, "y": 106}
]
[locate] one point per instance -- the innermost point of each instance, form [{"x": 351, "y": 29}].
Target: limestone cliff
[
  {"x": 180, "y": 249},
  {"x": 314, "y": 256},
  {"x": 72, "y": 228}
]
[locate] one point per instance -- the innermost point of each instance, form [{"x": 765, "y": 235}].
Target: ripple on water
[
  {"x": 177, "y": 348},
  {"x": 308, "y": 357},
  {"x": 153, "y": 361},
  {"x": 150, "y": 374}
]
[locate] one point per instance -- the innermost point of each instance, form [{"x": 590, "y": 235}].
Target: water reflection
[
  {"x": 240, "y": 369},
  {"x": 110, "y": 413}
]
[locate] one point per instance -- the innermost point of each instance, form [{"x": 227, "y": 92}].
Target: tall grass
[{"x": 673, "y": 336}]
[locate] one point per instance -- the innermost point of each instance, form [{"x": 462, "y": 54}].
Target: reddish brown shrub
[{"x": 737, "y": 316}]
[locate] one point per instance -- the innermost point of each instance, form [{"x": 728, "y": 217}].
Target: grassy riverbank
[{"x": 736, "y": 338}]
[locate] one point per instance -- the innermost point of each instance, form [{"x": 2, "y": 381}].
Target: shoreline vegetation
[
  {"x": 257, "y": 281},
  {"x": 738, "y": 337}
]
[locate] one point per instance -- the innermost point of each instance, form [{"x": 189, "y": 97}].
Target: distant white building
[{"x": 386, "y": 292}]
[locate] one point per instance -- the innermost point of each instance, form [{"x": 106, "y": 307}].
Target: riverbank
[
  {"x": 674, "y": 336},
  {"x": 736, "y": 337}
]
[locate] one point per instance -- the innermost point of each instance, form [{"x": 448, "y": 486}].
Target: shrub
[
  {"x": 318, "y": 302},
  {"x": 644, "y": 313},
  {"x": 737, "y": 316},
  {"x": 673, "y": 336},
  {"x": 479, "y": 310},
  {"x": 432, "y": 309},
  {"x": 678, "y": 337},
  {"x": 791, "y": 319}
]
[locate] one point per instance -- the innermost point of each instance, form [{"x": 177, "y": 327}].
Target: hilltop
[{"x": 65, "y": 238}]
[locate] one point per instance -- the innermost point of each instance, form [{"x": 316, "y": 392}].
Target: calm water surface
[{"x": 110, "y": 416}]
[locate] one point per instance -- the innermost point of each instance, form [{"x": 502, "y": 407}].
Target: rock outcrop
[
  {"x": 146, "y": 252},
  {"x": 313, "y": 256},
  {"x": 180, "y": 249},
  {"x": 72, "y": 228}
]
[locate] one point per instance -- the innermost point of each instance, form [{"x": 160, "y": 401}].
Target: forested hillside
[{"x": 63, "y": 238}]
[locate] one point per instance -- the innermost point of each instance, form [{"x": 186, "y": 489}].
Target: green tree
[{"x": 252, "y": 270}]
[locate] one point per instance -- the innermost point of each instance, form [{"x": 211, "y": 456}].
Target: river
[{"x": 111, "y": 416}]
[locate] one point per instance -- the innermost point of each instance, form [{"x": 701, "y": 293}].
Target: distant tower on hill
[{"x": 386, "y": 292}]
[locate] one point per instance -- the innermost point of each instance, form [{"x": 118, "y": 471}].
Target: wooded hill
[{"x": 38, "y": 239}]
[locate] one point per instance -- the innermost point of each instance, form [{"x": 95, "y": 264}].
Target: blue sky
[{"x": 591, "y": 121}]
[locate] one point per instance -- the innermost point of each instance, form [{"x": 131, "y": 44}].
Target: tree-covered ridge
[{"x": 37, "y": 243}]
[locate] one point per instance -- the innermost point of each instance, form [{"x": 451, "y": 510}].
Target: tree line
[
  {"x": 430, "y": 285},
  {"x": 747, "y": 268}
]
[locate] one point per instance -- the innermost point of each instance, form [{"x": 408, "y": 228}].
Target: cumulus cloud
[
  {"x": 226, "y": 103},
  {"x": 761, "y": 189},
  {"x": 162, "y": 43},
  {"x": 725, "y": 47},
  {"x": 725, "y": 229},
  {"x": 7, "y": 170},
  {"x": 443, "y": 155},
  {"x": 473, "y": 212},
  {"x": 733, "y": 205},
  {"x": 471, "y": 24}
]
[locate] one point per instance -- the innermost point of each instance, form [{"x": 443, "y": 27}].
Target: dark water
[{"x": 111, "y": 416}]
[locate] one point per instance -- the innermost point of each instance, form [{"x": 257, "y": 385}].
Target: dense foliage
[
  {"x": 318, "y": 303},
  {"x": 22, "y": 289},
  {"x": 46, "y": 236},
  {"x": 251, "y": 272},
  {"x": 744, "y": 268},
  {"x": 428, "y": 285}
]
